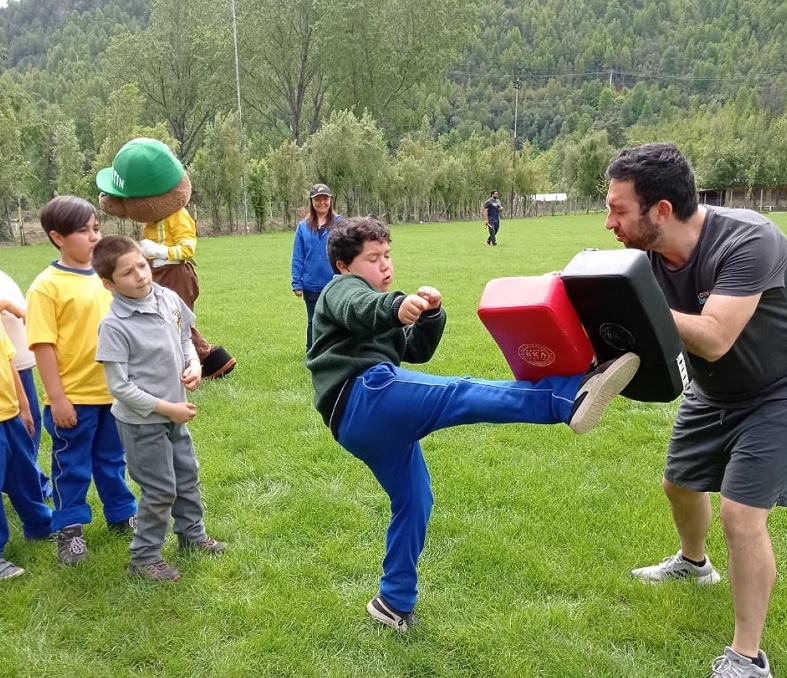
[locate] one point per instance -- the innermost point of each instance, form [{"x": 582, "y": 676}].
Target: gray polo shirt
[{"x": 145, "y": 345}]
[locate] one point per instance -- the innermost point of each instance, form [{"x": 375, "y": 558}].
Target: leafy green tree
[
  {"x": 182, "y": 65},
  {"x": 260, "y": 190},
  {"x": 69, "y": 162},
  {"x": 288, "y": 170},
  {"x": 115, "y": 124},
  {"x": 218, "y": 168},
  {"x": 585, "y": 165},
  {"x": 11, "y": 154},
  {"x": 348, "y": 154},
  {"x": 417, "y": 160},
  {"x": 282, "y": 72},
  {"x": 375, "y": 53}
]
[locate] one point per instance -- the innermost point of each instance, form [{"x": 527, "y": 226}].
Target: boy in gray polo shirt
[{"x": 144, "y": 343}]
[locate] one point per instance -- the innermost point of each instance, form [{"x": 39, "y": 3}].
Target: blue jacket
[{"x": 310, "y": 268}]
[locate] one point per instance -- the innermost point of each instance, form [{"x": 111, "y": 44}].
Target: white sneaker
[
  {"x": 733, "y": 665},
  {"x": 598, "y": 388},
  {"x": 677, "y": 567},
  {"x": 8, "y": 570}
]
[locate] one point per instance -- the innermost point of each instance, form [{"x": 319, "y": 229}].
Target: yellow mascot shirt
[{"x": 178, "y": 232}]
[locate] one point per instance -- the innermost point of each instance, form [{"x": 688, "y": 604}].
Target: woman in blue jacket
[{"x": 310, "y": 268}]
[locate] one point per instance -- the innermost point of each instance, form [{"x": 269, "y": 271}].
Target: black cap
[{"x": 320, "y": 189}]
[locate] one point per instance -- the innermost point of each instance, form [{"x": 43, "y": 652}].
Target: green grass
[{"x": 534, "y": 530}]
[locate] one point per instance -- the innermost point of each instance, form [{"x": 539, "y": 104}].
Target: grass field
[{"x": 534, "y": 530}]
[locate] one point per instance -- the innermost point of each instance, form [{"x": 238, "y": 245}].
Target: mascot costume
[{"x": 148, "y": 184}]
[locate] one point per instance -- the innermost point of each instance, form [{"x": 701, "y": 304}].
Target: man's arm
[{"x": 711, "y": 334}]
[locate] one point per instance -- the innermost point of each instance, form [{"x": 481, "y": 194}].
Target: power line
[{"x": 604, "y": 74}]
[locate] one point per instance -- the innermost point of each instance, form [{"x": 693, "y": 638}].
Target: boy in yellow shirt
[
  {"x": 18, "y": 473},
  {"x": 65, "y": 304}
]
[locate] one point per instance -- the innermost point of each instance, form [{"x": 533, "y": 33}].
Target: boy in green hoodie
[{"x": 379, "y": 412}]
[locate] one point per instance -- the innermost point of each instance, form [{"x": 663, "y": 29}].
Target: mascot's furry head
[{"x": 146, "y": 182}]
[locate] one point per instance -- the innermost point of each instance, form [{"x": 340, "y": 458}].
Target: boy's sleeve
[
  {"x": 187, "y": 319},
  {"x": 133, "y": 397},
  {"x": 41, "y": 318},
  {"x": 424, "y": 336},
  {"x": 112, "y": 345},
  {"x": 357, "y": 307}
]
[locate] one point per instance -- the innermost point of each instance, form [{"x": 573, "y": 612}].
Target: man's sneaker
[
  {"x": 384, "y": 613},
  {"x": 9, "y": 570},
  {"x": 209, "y": 545},
  {"x": 677, "y": 567},
  {"x": 71, "y": 547},
  {"x": 733, "y": 665},
  {"x": 598, "y": 388},
  {"x": 126, "y": 526},
  {"x": 158, "y": 571}
]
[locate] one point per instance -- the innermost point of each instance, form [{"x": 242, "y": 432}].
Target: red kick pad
[{"x": 536, "y": 327}]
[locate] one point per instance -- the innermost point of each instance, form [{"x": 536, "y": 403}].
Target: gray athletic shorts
[{"x": 740, "y": 453}]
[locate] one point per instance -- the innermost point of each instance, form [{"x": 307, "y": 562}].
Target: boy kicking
[
  {"x": 379, "y": 412},
  {"x": 145, "y": 345}
]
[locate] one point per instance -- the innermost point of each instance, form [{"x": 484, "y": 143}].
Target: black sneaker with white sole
[
  {"x": 598, "y": 388},
  {"x": 385, "y": 614}
]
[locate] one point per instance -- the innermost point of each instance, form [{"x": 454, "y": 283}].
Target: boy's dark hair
[
  {"x": 347, "y": 237},
  {"x": 66, "y": 214},
  {"x": 493, "y": 191},
  {"x": 659, "y": 172},
  {"x": 107, "y": 252}
]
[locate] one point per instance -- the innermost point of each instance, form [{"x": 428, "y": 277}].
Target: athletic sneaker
[
  {"x": 126, "y": 526},
  {"x": 677, "y": 567},
  {"x": 209, "y": 545},
  {"x": 733, "y": 665},
  {"x": 9, "y": 570},
  {"x": 384, "y": 613},
  {"x": 158, "y": 571},
  {"x": 71, "y": 547},
  {"x": 598, "y": 388}
]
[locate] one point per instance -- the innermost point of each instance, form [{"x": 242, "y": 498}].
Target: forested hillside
[{"x": 408, "y": 106}]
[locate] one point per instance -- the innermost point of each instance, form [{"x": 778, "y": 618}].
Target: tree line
[{"x": 407, "y": 109}]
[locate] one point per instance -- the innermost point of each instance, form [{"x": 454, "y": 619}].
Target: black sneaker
[
  {"x": 598, "y": 388},
  {"x": 126, "y": 526},
  {"x": 71, "y": 547},
  {"x": 158, "y": 571},
  {"x": 9, "y": 570},
  {"x": 385, "y": 614},
  {"x": 208, "y": 545}
]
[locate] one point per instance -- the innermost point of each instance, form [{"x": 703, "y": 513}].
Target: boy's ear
[
  {"x": 343, "y": 268},
  {"x": 56, "y": 238},
  {"x": 108, "y": 284}
]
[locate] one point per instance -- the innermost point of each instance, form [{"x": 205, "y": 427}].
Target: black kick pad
[{"x": 622, "y": 308}]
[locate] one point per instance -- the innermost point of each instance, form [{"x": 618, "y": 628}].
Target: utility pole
[
  {"x": 240, "y": 121},
  {"x": 517, "y": 87}
]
